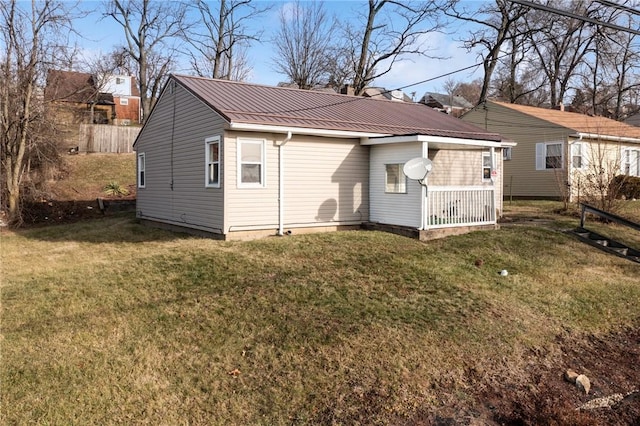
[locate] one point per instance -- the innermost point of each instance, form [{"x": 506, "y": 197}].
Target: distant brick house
[{"x": 126, "y": 97}]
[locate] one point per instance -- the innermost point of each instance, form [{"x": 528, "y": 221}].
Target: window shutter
[{"x": 540, "y": 156}]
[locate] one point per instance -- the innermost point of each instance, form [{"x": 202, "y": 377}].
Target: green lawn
[{"x": 111, "y": 322}]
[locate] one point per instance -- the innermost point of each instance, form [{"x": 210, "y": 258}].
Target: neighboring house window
[
  {"x": 251, "y": 162},
  {"x": 212, "y": 158},
  {"x": 124, "y": 101},
  {"x": 506, "y": 153},
  {"x": 577, "y": 155},
  {"x": 119, "y": 80},
  {"x": 631, "y": 162},
  {"x": 549, "y": 155},
  {"x": 486, "y": 166},
  {"x": 395, "y": 179},
  {"x": 141, "y": 170}
]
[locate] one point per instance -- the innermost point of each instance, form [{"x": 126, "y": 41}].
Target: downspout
[
  {"x": 281, "y": 183},
  {"x": 423, "y": 192}
]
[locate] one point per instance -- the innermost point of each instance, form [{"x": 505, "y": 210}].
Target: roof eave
[
  {"x": 612, "y": 138},
  {"x": 433, "y": 139},
  {"x": 269, "y": 128}
]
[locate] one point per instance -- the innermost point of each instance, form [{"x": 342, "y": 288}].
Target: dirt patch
[
  {"x": 612, "y": 364},
  {"x": 51, "y": 212}
]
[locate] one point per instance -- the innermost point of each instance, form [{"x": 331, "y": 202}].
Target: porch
[
  {"x": 459, "y": 206},
  {"x": 450, "y": 210}
]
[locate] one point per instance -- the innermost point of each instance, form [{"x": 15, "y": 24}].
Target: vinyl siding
[
  {"x": 175, "y": 191},
  {"x": 325, "y": 183},
  {"x": 394, "y": 209},
  {"x": 521, "y": 179}
]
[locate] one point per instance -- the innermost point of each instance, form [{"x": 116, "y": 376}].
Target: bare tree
[
  {"x": 220, "y": 43},
  {"x": 390, "y": 31},
  {"x": 498, "y": 23},
  {"x": 32, "y": 36},
  {"x": 561, "y": 44},
  {"x": 304, "y": 43},
  {"x": 151, "y": 28}
]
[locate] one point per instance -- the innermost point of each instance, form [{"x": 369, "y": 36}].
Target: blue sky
[{"x": 101, "y": 34}]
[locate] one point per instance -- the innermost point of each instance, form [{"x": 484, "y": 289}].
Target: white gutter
[
  {"x": 281, "y": 183},
  {"x": 248, "y": 127},
  {"x": 430, "y": 139},
  {"x": 605, "y": 137}
]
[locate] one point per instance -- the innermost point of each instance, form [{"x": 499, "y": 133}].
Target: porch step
[{"x": 607, "y": 244}]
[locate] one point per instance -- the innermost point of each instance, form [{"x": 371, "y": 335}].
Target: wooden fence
[{"x": 106, "y": 138}]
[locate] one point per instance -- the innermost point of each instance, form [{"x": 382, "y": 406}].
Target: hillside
[{"x": 73, "y": 194}]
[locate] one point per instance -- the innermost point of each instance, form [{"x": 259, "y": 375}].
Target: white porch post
[{"x": 424, "y": 206}]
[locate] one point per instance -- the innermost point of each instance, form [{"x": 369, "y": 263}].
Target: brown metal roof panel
[{"x": 250, "y": 103}]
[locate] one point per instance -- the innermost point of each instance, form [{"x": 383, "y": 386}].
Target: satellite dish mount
[{"x": 417, "y": 169}]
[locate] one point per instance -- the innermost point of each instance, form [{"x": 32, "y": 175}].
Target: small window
[
  {"x": 119, "y": 80},
  {"x": 395, "y": 179},
  {"x": 553, "y": 156},
  {"x": 212, "y": 158},
  {"x": 251, "y": 162},
  {"x": 141, "y": 170},
  {"x": 631, "y": 162},
  {"x": 486, "y": 166},
  {"x": 506, "y": 153},
  {"x": 124, "y": 101},
  {"x": 577, "y": 160},
  {"x": 549, "y": 155}
]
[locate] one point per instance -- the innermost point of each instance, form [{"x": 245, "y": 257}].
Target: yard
[{"x": 105, "y": 321}]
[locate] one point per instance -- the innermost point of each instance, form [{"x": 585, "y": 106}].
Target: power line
[
  {"x": 619, "y": 6},
  {"x": 576, "y": 16}
]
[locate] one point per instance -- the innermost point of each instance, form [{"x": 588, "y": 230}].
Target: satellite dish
[{"x": 417, "y": 168}]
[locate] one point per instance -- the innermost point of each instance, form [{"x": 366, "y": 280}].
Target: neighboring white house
[
  {"x": 237, "y": 160},
  {"x": 559, "y": 153}
]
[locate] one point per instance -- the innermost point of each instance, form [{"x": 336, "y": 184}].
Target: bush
[
  {"x": 114, "y": 189},
  {"x": 627, "y": 187}
]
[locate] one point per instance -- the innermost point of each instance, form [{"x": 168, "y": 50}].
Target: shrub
[
  {"x": 114, "y": 189},
  {"x": 627, "y": 187}
]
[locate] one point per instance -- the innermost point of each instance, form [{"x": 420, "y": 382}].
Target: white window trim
[
  {"x": 541, "y": 155},
  {"x": 207, "y": 161},
  {"x": 124, "y": 101},
  {"x": 142, "y": 170},
  {"x": 583, "y": 159},
  {"x": 626, "y": 155},
  {"x": 486, "y": 154},
  {"x": 239, "y": 163},
  {"x": 402, "y": 175}
]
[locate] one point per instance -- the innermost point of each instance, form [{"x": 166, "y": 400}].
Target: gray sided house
[
  {"x": 559, "y": 154},
  {"x": 237, "y": 160}
]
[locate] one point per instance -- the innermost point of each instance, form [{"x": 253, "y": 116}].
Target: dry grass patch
[{"x": 133, "y": 325}]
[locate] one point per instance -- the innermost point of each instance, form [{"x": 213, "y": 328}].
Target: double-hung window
[
  {"x": 577, "y": 155},
  {"x": 141, "y": 170},
  {"x": 631, "y": 162},
  {"x": 395, "y": 179},
  {"x": 212, "y": 158},
  {"x": 251, "y": 163},
  {"x": 486, "y": 166},
  {"x": 549, "y": 155}
]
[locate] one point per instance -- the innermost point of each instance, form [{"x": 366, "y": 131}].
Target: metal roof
[{"x": 246, "y": 103}]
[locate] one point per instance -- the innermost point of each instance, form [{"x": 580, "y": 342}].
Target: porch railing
[{"x": 450, "y": 206}]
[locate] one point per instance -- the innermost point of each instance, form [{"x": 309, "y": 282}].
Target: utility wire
[
  {"x": 575, "y": 16},
  {"x": 619, "y": 6}
]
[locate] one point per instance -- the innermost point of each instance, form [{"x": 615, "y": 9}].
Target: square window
[
  {"x": 251, "y": 162},
  {"x": 395, "y": 179}
]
